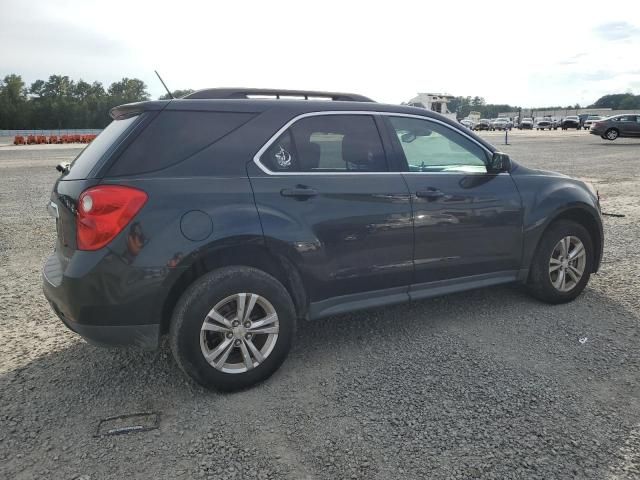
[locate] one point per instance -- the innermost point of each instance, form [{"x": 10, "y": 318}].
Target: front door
[
  {"x": 328, "y": 201},
  {"x": 467, "y": 222},
  {"x": 629, "y": 125}
]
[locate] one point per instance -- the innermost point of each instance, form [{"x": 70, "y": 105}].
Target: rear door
[
  {"x": 467, "y": 222},
  {"x": 329, "y": 203}
]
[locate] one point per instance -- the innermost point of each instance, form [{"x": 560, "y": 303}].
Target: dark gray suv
[{"x": 222, "y": 219}]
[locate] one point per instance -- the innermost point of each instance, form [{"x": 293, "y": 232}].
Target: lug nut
[
  {"x": 247, "y": 324},
  {"x": 248, "y": 336},
  {"x": 237, "y": 343},
  {"x": 235, "y": 323},
  {"x": 229, "y": 335}
]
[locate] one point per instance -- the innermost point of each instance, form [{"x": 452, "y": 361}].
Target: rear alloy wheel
[
  {"x": 232, "y": 328},
  {"x": 611, "y": 134},
  {"x": 239, "y": 333},
  {"x": 562, "y": 264}
]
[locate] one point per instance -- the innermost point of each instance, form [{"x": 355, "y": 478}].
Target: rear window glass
[
  {"x": 84, "y": 163},
  {"x": 172, "y": 137}
]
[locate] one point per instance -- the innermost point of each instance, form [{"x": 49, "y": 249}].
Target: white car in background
[
  {"x": 591, "y": 119},
  {"x": 467, "y": 123},
  {"x": 501, "y": 123}
]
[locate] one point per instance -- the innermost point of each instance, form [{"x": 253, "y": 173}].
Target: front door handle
[
  {"x": 300, "y": 192},
  {"x": 430, "y": 193}
]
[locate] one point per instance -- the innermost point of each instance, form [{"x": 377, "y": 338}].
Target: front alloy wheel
[
  {"x": 563, "y": 262},
  {"x": 567, "y": 264}
]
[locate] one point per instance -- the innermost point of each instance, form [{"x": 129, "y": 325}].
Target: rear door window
[
  {"x": 174, "y": 136},
  {"x": 326, "y": 144},
  {"x": 83, "y": 164}
]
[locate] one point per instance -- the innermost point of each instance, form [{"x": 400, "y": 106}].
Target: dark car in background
[
  {"x": 221, "y": 220},
  {"x": 483, "y": 124},
  {"x": 617, "y": 126},
  {"x": 572, "y": 121}
]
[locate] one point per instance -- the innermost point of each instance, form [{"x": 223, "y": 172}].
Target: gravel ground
[{"x": 487, "y": 384}]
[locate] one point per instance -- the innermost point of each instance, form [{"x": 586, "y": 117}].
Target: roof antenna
[{"x": 164, "y": 85}]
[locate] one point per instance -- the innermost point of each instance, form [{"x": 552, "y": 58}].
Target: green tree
[
  {"x": 13, "y": 101},
  {"x": 177, "y": 94},
  {"x": 128, "y": 90}
]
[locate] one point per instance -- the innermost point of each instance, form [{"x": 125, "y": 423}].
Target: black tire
[
  {"x": 539, "y": 284},
  {"x": 611, "y": 134},
  {"x": 193, "y": 307}
]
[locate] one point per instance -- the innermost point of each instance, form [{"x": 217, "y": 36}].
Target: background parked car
[
  {"x": 572, "y": 121},
  {"x": 542, "y": 123},
  {"x": 618, "y": 126},
  {"x": 467, "y": 123},
  {"x": 501, "y": 123},
  {"x": 556, "y": 122},
  {"x": 590, "y": 120},
  {"x": 483, "y": 124},
  {"x": 526, "y": 124}
]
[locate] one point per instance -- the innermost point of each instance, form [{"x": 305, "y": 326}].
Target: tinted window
[
  {"x": 84, "y": 163},
  {"x": 431, "y": 147},
  {"x": 174, "y": 136},
  {"x": 627, "y": 118},
  {"x": 328, "y": 143}
]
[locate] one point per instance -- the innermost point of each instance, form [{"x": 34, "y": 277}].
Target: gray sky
[{"x": 522, "y": 53}]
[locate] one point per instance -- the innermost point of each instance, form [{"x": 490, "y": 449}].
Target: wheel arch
[
  {"x": 583, "y": 216},
  {"x": 246, "y": 254}
]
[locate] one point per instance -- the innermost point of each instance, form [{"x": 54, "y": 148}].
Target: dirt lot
[{"x": 486, "y": 384}]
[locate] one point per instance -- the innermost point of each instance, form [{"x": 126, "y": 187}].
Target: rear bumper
[{"x": 105, "y": 300}]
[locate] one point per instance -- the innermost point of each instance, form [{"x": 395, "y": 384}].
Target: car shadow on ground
[
  {"x": 66, "y": 393},
  {"x": 84, "y": 373},
  {"x": 617, "y": 145}
]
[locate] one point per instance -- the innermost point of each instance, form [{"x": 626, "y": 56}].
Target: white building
[{"x": 436, "y": 102}]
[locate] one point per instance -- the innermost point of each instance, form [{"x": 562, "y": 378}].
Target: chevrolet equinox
[{"x": 223, "y": 218}]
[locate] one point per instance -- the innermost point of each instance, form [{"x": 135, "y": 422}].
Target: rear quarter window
[
  {"x": 89, "y": 157},
  {"x": 174, "y": 136}
]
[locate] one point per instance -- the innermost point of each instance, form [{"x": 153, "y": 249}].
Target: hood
[{"x": 518, "y": 169}]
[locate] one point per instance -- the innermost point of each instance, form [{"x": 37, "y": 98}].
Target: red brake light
[{"x": 103, "y": 212}]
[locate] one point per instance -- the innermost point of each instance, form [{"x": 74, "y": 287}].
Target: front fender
[{"x": 545, "y": 198}]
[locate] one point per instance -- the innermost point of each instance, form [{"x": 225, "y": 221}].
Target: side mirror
[
  {"x": 500, "y": 162},
  {"x": 408, "y": 137}
]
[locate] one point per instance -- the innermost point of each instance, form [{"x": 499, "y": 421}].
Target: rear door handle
[
  {"x": 300, "y": 192},
  {"x": 430, "y": 193}
]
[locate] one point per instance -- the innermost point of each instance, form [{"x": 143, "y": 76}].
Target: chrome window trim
[{"x": 372, "y": 113}]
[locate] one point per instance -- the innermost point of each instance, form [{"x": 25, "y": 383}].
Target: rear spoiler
[{"x": 130, "y": 109}]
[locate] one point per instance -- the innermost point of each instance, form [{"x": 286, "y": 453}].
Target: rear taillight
[{"x": 103, "y": 212}]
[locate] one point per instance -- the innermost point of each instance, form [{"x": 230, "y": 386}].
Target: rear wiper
[{"x": 63, "y": 167}]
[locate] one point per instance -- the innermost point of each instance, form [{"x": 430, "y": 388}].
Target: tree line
[{"x": 61, "y": 102}]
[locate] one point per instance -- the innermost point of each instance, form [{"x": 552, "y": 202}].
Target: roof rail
[{"x": 228, "y": 93}]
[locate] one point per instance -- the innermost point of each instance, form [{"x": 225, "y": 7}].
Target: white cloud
[{"x": 524, "y": 55}]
